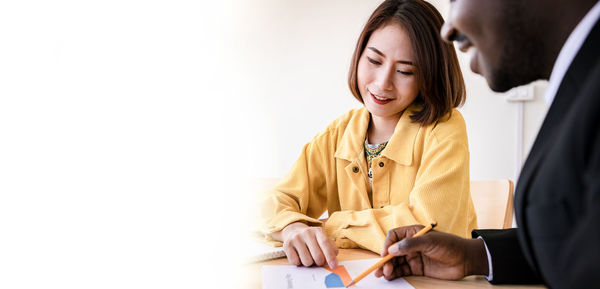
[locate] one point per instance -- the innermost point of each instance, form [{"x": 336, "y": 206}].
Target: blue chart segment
[{"x": 333, "y": 281}]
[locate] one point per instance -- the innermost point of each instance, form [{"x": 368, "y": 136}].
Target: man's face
[{"x": 502, "y": 47}]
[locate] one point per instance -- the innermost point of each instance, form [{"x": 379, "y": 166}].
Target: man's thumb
[{"x": 406, "y": 246}]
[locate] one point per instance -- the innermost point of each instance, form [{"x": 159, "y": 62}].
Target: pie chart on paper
[
  {"x": 298, "y": 277},
  {"x": 338, "y": 278}
]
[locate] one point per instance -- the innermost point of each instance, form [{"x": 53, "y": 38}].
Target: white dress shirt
[{"x": 569, "y": 50}]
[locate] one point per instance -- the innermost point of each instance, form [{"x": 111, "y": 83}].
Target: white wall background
[
  {"x": 296, "y": 55},
  {"x": 117, "y": 121}
]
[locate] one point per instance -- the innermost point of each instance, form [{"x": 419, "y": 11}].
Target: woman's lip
[{"x": 379, "y": 101}]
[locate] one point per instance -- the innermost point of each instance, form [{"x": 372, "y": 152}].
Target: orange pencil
[{"x": 388, "y": 256}]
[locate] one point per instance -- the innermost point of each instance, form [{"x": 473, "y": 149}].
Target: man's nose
[{"x": 448, "y": 32}]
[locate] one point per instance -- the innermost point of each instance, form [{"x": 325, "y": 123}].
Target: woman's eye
[
  {"x": 405, "y": 72},
  {"x": 373, "y": 61}
]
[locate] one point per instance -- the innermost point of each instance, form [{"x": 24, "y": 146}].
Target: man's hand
[
  {"x": 435, "y": 254},
  {"x": 307, "y": 246}
]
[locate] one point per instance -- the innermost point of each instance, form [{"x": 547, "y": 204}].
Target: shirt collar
[
  {"x": 569, "y": 51},
  {"x": 399, "y": 147}
]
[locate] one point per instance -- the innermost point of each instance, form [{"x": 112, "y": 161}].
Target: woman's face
[{"x": 385, "y": 72}]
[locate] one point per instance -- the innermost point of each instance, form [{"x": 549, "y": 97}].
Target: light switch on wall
[{"x": 521, "y": 93}]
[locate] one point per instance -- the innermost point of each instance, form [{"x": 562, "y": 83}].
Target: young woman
[{"x": 402, "y": 159}]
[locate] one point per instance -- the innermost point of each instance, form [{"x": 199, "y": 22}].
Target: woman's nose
[{"x": 384, "y": 79}]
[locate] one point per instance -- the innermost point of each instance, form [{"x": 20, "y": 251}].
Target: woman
[{"x": 401, "y": 159}]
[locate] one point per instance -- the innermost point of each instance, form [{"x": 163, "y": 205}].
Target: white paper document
[{"x": 293, "y": 277}]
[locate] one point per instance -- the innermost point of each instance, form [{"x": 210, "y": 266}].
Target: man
[{"x": 557, "y": 199}]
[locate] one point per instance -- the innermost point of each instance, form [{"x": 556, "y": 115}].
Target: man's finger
[
  {"x": 397, "y": 235},
  {"x": 416, "y": 263},
  {"x": 391, "y": 238},
  {"x": 397, "y": 272},
  {"x": 405, "y": 269},
  {"x": 387, "y": 269}
]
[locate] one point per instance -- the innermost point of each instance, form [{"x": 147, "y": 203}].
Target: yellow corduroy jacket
[{"x": 422, "y": 175}]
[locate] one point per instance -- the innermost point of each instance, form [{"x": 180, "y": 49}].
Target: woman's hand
[
  {"x": 435, "y": 254},
  {"x": 307, "y": 246}
]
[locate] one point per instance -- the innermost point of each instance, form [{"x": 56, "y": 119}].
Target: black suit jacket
[{"x": 557, "y": 199}]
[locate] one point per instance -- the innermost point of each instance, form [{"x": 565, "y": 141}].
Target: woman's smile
[{"x": 380, "y": 99}]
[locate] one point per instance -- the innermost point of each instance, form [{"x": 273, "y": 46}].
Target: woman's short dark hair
[{"x": 441, "y": 84}]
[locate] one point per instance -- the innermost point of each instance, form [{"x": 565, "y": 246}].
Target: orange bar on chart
[{"x": 341, "y": 272}]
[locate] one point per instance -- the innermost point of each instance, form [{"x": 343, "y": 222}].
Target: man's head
[
  {"x": 498, "y": 35},
  {"x": 513, "y": 42}
]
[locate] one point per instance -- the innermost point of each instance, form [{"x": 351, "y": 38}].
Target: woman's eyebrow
[
  {"x": 376, "y": 50},
  {"x": 381, "y": 53}
]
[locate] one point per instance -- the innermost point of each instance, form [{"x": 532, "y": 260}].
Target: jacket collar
[{"x": 399, "y": 148}]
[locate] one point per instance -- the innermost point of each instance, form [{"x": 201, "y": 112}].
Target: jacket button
[
  {"x": 355, "y": 169},
  {"x": 381, "y": 164}
]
